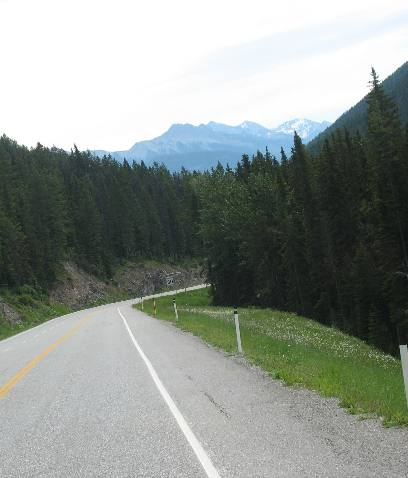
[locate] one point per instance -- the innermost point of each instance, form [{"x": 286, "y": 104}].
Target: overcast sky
[{"x": 105, "y": 74}]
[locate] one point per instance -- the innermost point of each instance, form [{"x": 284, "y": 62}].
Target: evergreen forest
[
  {"x": 324, "y": 235},
  {"x": 97, "y": 212}
]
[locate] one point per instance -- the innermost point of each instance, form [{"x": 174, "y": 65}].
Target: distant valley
[{"x": 202, "y": 147}]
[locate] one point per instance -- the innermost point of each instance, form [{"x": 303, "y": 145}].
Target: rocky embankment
[
  {"x": 79, "y": 289},
  {"x": 10, "y": 314},
  {"x": 150, "y": 278}
]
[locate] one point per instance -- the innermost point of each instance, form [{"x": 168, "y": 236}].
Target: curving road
[{"x": 111, "y": 392}]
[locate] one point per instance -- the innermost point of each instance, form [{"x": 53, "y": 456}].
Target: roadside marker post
[
  {"x": 154, "y": 308},
  {"x": 141, "y": 299},
  {"x": 237, "y": 331},
  {"x": 175, "y": 309},
  {"x": 403, "y": 345}
]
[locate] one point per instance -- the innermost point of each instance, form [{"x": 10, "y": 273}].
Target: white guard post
[
  {"x": 402, "y": 338},
  {"x": 237, "y": 330},
  {"x": 175, "y": 308}
]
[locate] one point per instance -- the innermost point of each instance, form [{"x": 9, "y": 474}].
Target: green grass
[
  {"x": 299, "y": 351},
  {"x": 33, "y": 307},
  {"x": 36, "y": 308}
]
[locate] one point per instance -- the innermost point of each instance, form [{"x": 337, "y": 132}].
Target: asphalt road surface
[{"x": 112, "y": 392}]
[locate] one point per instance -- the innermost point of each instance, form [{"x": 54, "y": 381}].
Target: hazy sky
[{"x": 105, "y": 74}]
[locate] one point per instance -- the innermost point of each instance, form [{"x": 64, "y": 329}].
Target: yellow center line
[{"x": 8, "y": 386}]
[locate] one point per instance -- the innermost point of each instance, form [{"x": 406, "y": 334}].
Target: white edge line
[{"x": 188, "y": 433}]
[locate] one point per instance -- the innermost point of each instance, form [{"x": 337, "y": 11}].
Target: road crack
[{"x": 217, "y": 405}]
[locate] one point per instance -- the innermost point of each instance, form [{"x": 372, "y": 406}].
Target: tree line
[
  {"x": 323, "y": 235},
  {"x": 97, "y": 212}
]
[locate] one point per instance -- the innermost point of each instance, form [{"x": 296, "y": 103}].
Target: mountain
[
  {"x": 355, "y": 119},
  {"x": 201, "y": 147},
  {"x": 306, "y": 129}
]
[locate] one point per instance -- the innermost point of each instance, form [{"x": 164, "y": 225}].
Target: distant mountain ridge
[
  {"x": 201, "y": 147},
  {"x": 355, "y": 119}
]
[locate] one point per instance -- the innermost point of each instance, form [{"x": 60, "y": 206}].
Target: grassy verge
[
  {"x": 299, "y": 351},
  {"x": 36, "y": 308},
  {"x": 33, "y": 307}
]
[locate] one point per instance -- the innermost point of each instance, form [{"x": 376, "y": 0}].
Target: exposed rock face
[
  {"x": 79, "y": 289},
  {"x": 146, "y": 279},
  {"x": 9, "y": 314}
]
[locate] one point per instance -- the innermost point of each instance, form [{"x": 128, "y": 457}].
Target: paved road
[{"x": 112, "y": 392}]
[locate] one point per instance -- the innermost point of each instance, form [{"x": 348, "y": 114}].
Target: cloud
[{"x": 291, "y": 46}]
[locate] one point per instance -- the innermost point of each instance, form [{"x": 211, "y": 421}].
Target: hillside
[
  {"x": 355, "y": 119},
  {"x": 202, "y": 147},
  {"x": 324, "y": 236}
]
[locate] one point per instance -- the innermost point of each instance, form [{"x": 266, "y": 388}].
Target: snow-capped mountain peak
[
  {"x": 305, "y": 128},
  {"x": 255, "y": 129}
]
